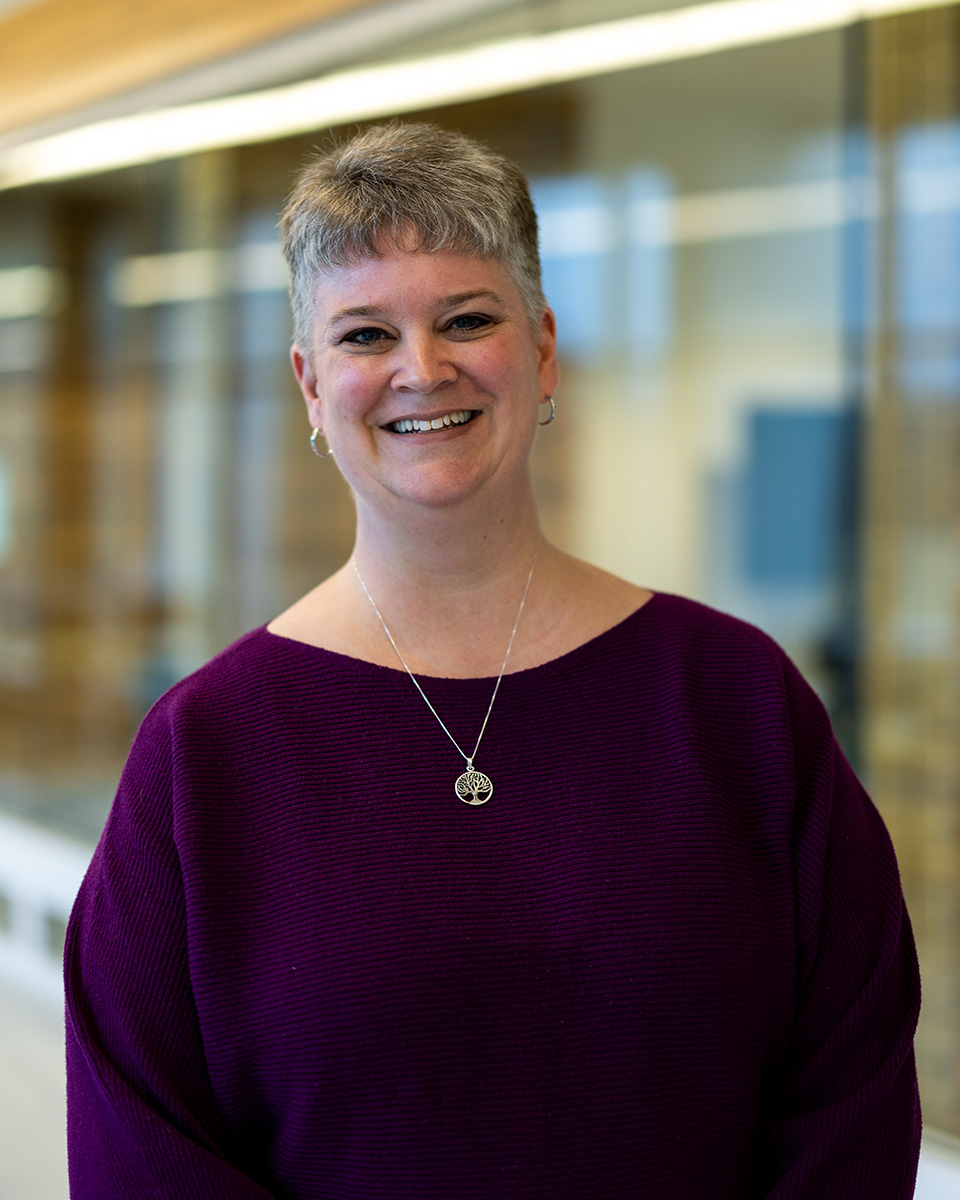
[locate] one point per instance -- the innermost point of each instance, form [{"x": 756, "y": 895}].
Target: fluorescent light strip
[
  {"x": 142, "y": 281},
  {"x": 172, "y": 278},
  {"x": 485, "y": 70}
]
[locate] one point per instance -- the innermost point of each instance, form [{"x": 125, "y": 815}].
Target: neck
[
  {"x": 448, "y": 588},
  {"x": 451, "y": 549}
]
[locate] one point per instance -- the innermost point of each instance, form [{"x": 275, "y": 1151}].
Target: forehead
[{"x": 401, "y": 278}]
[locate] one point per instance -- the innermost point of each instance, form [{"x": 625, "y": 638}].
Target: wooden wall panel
[
  {"x": 60, "y": 54},
  {"x": 912, "y": 542}
]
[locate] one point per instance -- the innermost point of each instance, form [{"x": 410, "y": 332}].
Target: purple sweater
[{"x": 668, "y": 960}]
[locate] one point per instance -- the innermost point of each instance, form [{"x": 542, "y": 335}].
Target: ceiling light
[{"x": 478, "y": 71}]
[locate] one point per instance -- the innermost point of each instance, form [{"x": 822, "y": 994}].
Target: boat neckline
[{"x": 361, "y": 663}]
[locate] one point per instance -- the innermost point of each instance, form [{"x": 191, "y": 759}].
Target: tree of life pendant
[{"x": 473, "y": 787}]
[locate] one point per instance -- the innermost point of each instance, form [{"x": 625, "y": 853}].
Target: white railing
[{"x": 40, "y": 872}]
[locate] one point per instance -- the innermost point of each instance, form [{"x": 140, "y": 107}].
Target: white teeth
[{"x": 414, "y": 425}]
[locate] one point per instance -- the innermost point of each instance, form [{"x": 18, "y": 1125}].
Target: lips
[{"x": 429, "y": 424}]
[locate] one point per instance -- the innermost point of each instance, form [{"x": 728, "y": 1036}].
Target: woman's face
[{"x": 425, "y": 376}]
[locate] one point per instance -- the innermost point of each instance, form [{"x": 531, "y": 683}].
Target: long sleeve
[
  {"x": 846, "y": 1123},
  {"x": 670, "y": 958},
  {"x": 141, "y": 1117}
]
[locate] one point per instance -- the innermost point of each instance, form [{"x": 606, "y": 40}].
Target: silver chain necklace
[{"x": 472, "y": 787}]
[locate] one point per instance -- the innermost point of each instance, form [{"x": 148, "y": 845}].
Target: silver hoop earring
[
  {"x": 313, "y": 445},
  {"x": 553, "y": 412}
]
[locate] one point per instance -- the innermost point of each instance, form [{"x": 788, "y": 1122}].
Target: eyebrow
[
  {"x": 462, "y": 297},
  {"x": 360, "y": 310},
  {"x": 374, "y": 310}
]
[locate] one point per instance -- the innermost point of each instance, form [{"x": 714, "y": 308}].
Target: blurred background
[{"x": 751, "y": 238}]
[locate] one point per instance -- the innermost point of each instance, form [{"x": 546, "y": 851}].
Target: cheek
[
  {"x": 500, "y": 370},
  {"x": 353, "y": 388}
]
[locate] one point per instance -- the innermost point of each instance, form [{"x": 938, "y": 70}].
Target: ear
[
  {"x": 547, "y": 347},
  {"x": 307, "y": 380}
]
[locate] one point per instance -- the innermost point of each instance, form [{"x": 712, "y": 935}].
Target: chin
[
  {"x": 436, "y": 497},
  {"x": 439, "y": 488}
]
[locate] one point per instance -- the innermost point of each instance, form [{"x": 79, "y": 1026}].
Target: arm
[
  {"x": 142, "y": 1121},
  {"x": 846, "y": 1122}
]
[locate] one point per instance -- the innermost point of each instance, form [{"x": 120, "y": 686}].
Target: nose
[{"x": 423, "y": 365}]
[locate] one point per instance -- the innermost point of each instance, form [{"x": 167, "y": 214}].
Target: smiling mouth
[{"x": 415, "y": 425}]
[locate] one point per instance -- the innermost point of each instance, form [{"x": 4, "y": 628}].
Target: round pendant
[{"x": 473, "y": 787}]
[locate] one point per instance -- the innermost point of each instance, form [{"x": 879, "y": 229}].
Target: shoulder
[
  {"x": 219, "y": 733},
  {"x": 666, "y": 645},
  {"x": 689, "y": 623},
  {"x": 730, "y": 671},
  {"x": 191, "y": 705},
  {"x": 588, "y": 602},
  {"x": 688, "y": 631},
  {"x": 239, "y": 695},
  {"x": 227, "y": 675}
]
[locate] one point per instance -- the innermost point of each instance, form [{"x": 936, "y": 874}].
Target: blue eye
[
  {"x": 469, "y": 322},
  {"x": 368, "y": 336}
]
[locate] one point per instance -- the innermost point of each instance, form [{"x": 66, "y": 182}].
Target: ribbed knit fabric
[{"x": 669, "y": 960}]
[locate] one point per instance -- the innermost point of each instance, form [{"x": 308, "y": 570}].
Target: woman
[{"x": 479, "y": 872}]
